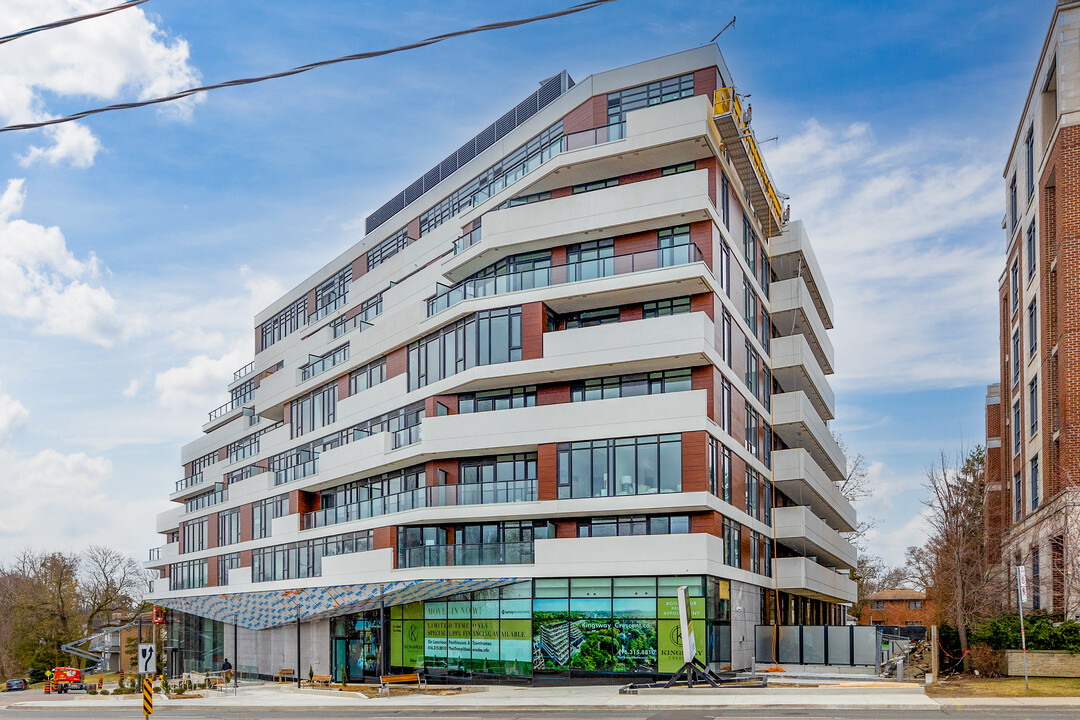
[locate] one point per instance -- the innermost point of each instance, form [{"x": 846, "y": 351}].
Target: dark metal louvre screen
[{"x": 549, "y": 90}]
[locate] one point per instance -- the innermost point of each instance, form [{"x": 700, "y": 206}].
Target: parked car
[{"x": 16, "y": 684}]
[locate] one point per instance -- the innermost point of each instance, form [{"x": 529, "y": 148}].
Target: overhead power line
[
  {"x": 71, "y": 20},
  {"x": 305, "y": 68}
]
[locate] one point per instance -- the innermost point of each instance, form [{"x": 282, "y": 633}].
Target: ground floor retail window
[{"x": 563, "y": 626}]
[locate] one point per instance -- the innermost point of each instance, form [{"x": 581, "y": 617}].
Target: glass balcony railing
[
  {"x": 343, "y": 325},
  {"x": 594, "y": 136},
  {"x": 189, "y": 481},
  {"x": 513, "y": 553},
  {"x": 466, "y": 241},
  {"x": 296, "y": 472},
  {"x": 246, "y": 370},
  {"x": 561, "y": 274},
  {"x": 407, "y": 436},
  {"x": 433, "y": 496},
  {"x": 208, "y": 500}
]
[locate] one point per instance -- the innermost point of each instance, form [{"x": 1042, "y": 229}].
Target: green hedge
[{"x": 1003, "y": 633}]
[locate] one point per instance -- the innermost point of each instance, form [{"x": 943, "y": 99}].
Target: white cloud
[
  {"x": 914, "y": 292},
  {"x": 61, "y": 501},
  {"x": 121, "y": 55},
  {"x": 43, "y": 282},
  {"x": 13, "y": 415},
  {"x": 132, "y": 388},
  {"x": 198, "y": 384}
]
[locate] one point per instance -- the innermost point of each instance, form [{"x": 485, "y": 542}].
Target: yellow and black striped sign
[{"x": 147, "y": 698}]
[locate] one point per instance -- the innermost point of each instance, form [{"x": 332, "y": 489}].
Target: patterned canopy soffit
[{"x": 261, "y": 610}]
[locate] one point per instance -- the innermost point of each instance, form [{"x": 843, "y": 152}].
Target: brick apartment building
[
  {"x": 897, "y": 607},
  {"x": 1032, "y": 503}
]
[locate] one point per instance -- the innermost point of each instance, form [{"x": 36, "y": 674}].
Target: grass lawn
[{"x": 1005, "y": 687}]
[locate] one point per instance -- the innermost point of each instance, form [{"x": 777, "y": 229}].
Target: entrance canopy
[{"x": 261, "y": 610}]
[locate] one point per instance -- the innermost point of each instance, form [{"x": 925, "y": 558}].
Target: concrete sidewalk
[{"x": 878, "y": 696}]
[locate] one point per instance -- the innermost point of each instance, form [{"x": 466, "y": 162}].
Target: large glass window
[
  {"x": 502, "y": 174},
  {"x": 591, "y": 318},
  {"x": 654, "y": 383},
  {"x": 753, "y": 493},
  {"x": 750, "y": 307},
  {"x": 660, "y": 308},
  {"x": 388, "y": 248},
  {"x": 1034, "y": 483},
  {"x": 332, "y": 294},
  {"x": 732, "y": 543},
  {"x": 504, "y": 399},
  {"x": 655, "y": 93},
  {"x": 1033, "y": 404},
  {"x": 227, "y": 562},
  {"x": 314, "y": 410},
  {"x": 750, "y": 252},
  {"x": 589, "y": 260},
  {"x": 285, "y": 322},
  {"x": 634, "y": 525},
  {"x": 304, "y": 559},
  {"x": 368, "y": 376},
  {"x": 322, "y": 363},
  {"x": 753, "y": 425},
  {"x": 1031, "y": 249},
  {"x": 193, "y": 533},
  {"x": 1033, "y": 328},
  {"x": 263, "y": 511},
  {"x": 626, "y": 466},
  {"x": 674, "y": 245},
  {"x": 486, "y": 338},
  {"x": 188, "y": 575},
  {"x": 229, "y": 527}
]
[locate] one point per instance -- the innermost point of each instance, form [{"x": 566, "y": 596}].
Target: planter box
[{"x": 1043, "y": 663}]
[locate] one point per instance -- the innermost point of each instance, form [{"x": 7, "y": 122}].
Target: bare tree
[
  {"x": 110, "y": 582},
  {"x": 855, "y": 488},
  {"x": 966, "y": 586},
  {"x": 872, "y": 574}
]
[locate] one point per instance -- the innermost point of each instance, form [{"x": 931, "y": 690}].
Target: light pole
[{"x": 288, "y": 595}]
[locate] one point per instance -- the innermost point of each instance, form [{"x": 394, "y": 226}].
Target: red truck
[{"x": 68, "y": 678}]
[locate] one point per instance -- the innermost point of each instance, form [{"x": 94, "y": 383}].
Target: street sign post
[
  {"x": 1021, "y": 592},
  {"x": 147, "y": 698}
]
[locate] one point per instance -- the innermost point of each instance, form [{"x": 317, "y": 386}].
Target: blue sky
[{"x": 136, "y": 246}]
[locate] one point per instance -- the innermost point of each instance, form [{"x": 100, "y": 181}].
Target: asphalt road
[{"x": 945, "y": 713}]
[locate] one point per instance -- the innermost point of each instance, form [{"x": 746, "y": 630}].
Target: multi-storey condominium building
[
  {"x": 1032, "y": 509},
  {"x": 577, "y": 364}
]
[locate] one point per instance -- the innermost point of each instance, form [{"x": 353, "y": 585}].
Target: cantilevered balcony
[
  {"x": 802, "y": 576},
  {"x": 797, "y": 475},
  {"x": 797, "y": 423},
  {"x": 792, "y": 257},
  {"x": 635, "y": 207},
  {"x": 794, "y": 313},
  {"x": 447, "y": 297},
  {"x": 796, "y": 368},
  {"x": 807, "y": 534}
]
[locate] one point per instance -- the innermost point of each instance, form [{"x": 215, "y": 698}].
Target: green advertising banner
[
  {"x": 515, "y": 638},
  {"x": 435, "y": 643},
  {"x": 669, "y": 644},
  {"x": 458, "y": 643},
  {"x": 485, "y": 639},
  {"x": 412, "y": 644},
  {"x": 395, "y": 643},
  {"x": 669, "y": 608}
]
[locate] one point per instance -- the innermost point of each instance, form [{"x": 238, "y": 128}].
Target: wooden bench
[
  {"x": 216, "y": 683},
  {"x": 319, "y": 680},
  {"x": 282, "y": 673},
  {"x": 387, "y": 680}
]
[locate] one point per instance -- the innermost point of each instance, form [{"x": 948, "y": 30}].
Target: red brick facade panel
[
  {"x": 694, "y": 462},
  {"x": 547, "y": 481},
  {"x": 533, "y": 322},
  {"x": 397, "y": 362}
]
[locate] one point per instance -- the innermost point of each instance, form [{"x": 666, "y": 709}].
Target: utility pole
[{"x": 236, "y": 650}]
